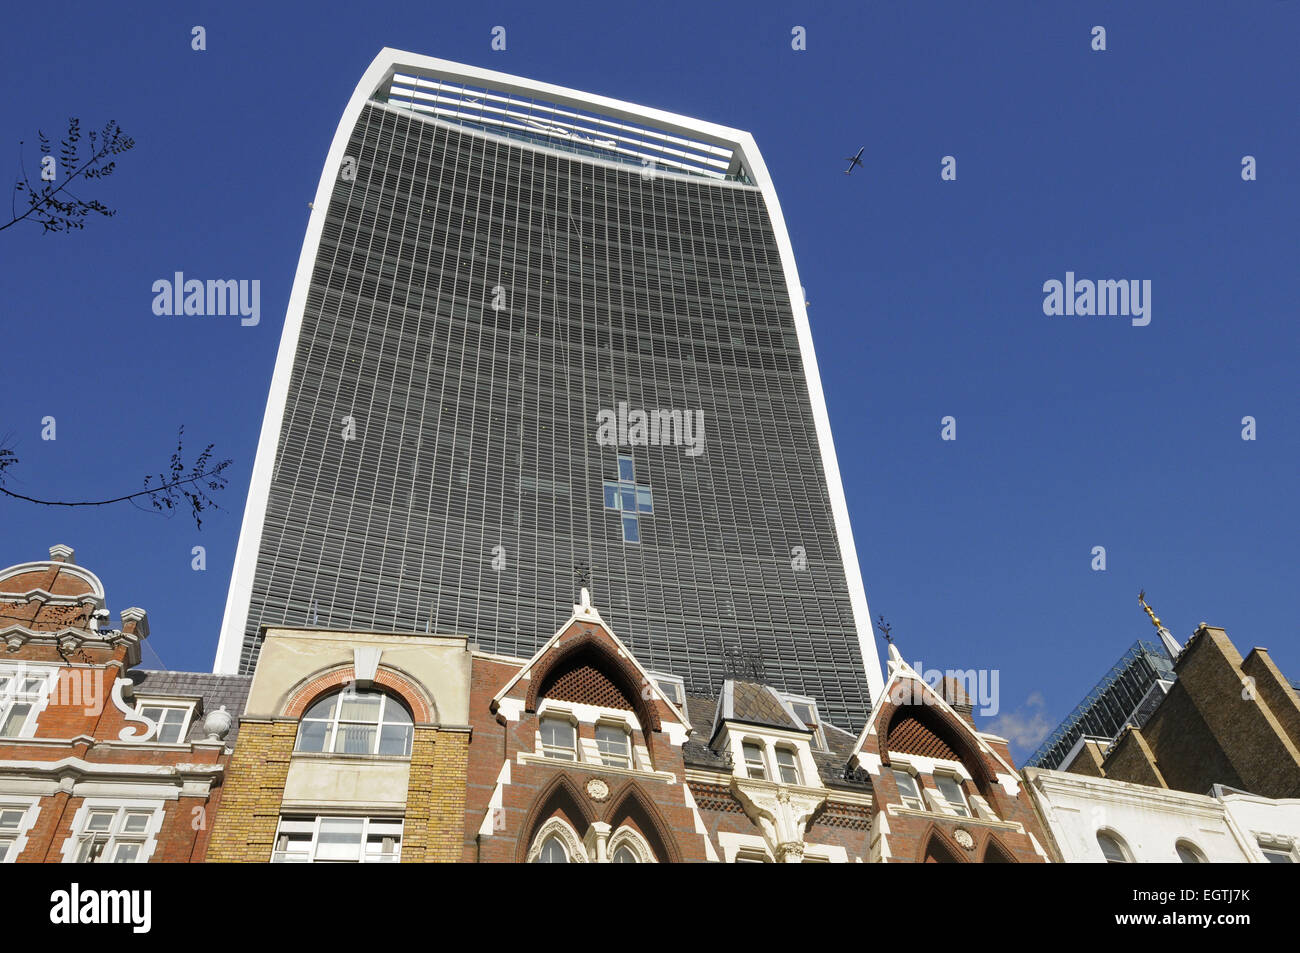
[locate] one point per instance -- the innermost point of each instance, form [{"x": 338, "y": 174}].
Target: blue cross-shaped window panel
[{"x": 629, "y": 498}]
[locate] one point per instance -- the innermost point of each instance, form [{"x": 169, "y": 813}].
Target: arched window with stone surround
[
  {"x": 557, "y": 843},
  {"x": 1113, "y": 848},
  {"x": 552, "y": 852},
  {"x": 627, "y": 846},
  {"x": 356, "y": 721}
]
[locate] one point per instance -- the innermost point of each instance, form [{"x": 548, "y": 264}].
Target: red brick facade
[
  {"x": 65, "y": 755},
  {"x": 581, "y": 672},
  {"x": 917, "y": 731},
  {"x": 626, "y": 768}
]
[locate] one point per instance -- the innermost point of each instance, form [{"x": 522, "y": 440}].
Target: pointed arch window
[
  {"x": 627, "y": 846},
  {"x": 552, "y": 852},
  {"x": 556, "y": 842}
]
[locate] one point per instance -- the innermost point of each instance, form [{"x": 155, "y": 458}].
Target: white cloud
[{"x": 1026, "y": 726}]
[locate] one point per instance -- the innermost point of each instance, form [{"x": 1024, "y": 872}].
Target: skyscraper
[{"x": 534, "y": 329}]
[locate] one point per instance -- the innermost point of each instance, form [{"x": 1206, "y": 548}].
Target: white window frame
[
  {"x": 916, "y": 803},
  {"x": 1278, "y": 846},
  {"x": 31, "y": 808},
  {"x": 744, "y": 848},
  {"x": 779, "y": 750},
  {"x": 543, "y": 749},
  {"x": 818, "y": 736},
  {"x": 169, "y": 704},
  {"x": 291, "y": 824},
  {"x": 625, "y": 838},
  {"x": 663, "y": 682},
  {"x": 1192, "y": 848},
  {"x": 960, "y": 807},
  {"x": 336, "y": 721},
  {"x": 762, "y": 755},
  {"x": 115, "y": 835},
  {"x": 39, "y": 700},
  {"x": 630, "y": 761}
]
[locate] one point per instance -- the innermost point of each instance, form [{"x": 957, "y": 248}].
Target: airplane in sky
[{"x": 855, "y": 160}]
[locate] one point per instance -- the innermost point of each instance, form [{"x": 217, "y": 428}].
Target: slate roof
[
  {"x": 755, "y": 704},
  {"x": 213, "y": 690},
  {"x": 697, "y": 750}
]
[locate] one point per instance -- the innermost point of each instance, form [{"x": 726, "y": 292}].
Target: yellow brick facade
[
  {"x": 435, "y": 806},
  {"x": 244, "y": 831},
  {"x": 434, "y": 828}
]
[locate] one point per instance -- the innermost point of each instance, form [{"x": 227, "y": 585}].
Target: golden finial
[
  {"x": 1142, "y": 598},
  {"x": 1170, "y": 643}
]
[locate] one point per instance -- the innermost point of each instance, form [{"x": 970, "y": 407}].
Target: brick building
[
  {"x": 1211, "y": 774},
  {"x": 100, "y": 761},
  {"x": 946, "y": 791},
  {"x": 581, "y": 754},
  {"x": 349, "y": 746},
  {"x": 353, "y": 748},
  {"x": 382, "y": 747},
  {"x": 1226, "y": 720}
]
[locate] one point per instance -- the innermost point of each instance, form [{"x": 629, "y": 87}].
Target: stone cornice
[
  {"x": 899, "y": 810},
  {"x": 1122, "y": 792},
  {"x": 69, "y": 639},
  {"x": 723, "y": 778},
  {"x": 589, "y": 767},
  {"x": 80, "y": 770}
]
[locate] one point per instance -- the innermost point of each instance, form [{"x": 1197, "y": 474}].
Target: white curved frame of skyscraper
[{"x": 380, "y": 75}]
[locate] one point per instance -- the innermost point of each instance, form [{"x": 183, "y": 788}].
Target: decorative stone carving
[
  {"x": 218, "y": 724},
  {"x": 597, "y": 789},
  {"x": 790, "y": 852},
  {"x": 781, "y": 814},
  {"x": 963, "y": 838},
  {"x": 130, "y": 715},
  {"x": 365, "y": 665}
]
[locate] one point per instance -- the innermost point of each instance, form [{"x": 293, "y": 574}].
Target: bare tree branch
[{"x": 173, "y": 491}]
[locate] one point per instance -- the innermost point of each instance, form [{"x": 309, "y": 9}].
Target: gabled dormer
[
  {"x": 591, "y": 701},
  {"x": 764, "y": 737},
  {"x": 944, "y": 790},
  {"x": 588, "y": 751}
]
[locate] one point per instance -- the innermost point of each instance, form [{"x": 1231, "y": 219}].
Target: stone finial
[
  {"x": 63, "y": 554},
  {"x": 583, "y": 608},
  {"x": 218, "y": 724},
  {"x": 135, "y": 621}
]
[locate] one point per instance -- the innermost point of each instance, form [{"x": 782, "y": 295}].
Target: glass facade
[
  {"x": 476, "y": 305},
  {"x": 1121, "y": 696}
]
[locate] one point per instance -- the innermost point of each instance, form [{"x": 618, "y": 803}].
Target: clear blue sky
[{"x": 926, "y": 295}]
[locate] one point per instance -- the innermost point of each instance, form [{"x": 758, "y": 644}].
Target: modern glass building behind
[
  {"x": 499, "y": 277},
  {"x": 1126, "y": 693}
]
